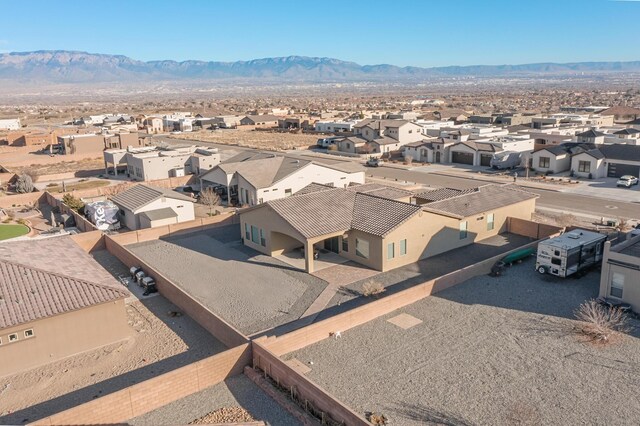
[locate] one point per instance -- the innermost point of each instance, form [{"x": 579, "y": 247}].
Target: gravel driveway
[
  {"x": 488, "y": 351},
  {"x": 251, "y": 291}
]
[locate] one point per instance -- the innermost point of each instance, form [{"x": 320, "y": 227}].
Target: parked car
[
  {"x": 627, "y": 181},
  {"x": 374, "y": 162}
]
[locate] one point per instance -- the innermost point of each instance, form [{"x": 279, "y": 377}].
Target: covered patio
[{"x": 325, "y": 259}]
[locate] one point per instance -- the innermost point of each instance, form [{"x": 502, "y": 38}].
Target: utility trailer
[{"x": 570, "y": 253}]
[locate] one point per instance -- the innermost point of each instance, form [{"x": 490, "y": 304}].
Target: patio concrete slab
[
  {"x": 326, "y": 259},
  {"x": 405, "y": 321}
]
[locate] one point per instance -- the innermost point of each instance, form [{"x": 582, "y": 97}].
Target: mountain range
[{"x": 62, "y": 66}]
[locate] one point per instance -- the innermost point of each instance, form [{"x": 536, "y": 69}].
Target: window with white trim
[
  {"x": 490, "y": 221},
  {"x": 247, "y": 233},
  {"x": 255, "y": 236},
  {"x": 463, "y": 230},
  {"x": 617, "y": 285},
  {"x": 362, "y": 248},
  {"x": 13, "y": 337},
  {"x": 28, "y": 333}
]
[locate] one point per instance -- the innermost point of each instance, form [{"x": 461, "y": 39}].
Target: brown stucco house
[
  {"x": 380, "y": 232},
  {"x": 55, "y": 305}
]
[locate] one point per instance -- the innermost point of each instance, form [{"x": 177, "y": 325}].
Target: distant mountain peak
[{"x": 63, "y": 66}]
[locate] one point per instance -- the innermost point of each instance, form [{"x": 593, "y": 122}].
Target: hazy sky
[{"x": 420, "y": 33}]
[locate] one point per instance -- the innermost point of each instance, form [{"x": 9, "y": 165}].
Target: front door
[
  {"x": 332, "y": 244},
  {"x": 437, "y": 156}
]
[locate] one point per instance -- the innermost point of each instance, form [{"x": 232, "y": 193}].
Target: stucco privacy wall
[
  {"x": 313, "y": 333},
  {"x": 151, "y": 394},
  {"x": 303, "y": 388}
]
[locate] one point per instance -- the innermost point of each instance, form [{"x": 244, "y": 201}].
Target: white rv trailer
[{"x": 570, "y": 252}]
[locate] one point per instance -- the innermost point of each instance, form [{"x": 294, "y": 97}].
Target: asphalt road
[
  {"x": 549, "y": 199},
  {"x": 579, "y": 204}
]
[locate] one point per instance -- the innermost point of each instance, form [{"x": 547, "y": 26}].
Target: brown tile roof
[
  {"x": 486, "y": 198},
  {"x": 442, "y": 194},
  {"x": 339, "y": 210},
  {"x": 382, "y": 191},
  {"x": 28, "y": 294}
]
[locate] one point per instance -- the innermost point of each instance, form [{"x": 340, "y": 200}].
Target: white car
[{"x": 627, "y": 181}]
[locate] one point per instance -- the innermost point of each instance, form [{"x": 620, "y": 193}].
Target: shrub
[
  {"x": 24, "y": 184},
  {"x": 600, "y": 323},
  {"x": 72, "y": 202},
  {"x": 408, "y": 159},
  {"x": 21, "y": 221},
  {"x": 372, "y": 288}
]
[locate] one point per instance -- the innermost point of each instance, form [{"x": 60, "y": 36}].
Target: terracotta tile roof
[
  {"x": 140, "y": 195},
  {"x": 339, "y": 210},
  {"x": 28, "y": 294},
  {"x": 443, "y": 194},
  {"x": 486, "y": 198}
]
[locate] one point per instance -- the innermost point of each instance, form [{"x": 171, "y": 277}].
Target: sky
[{"x": 421, "y": 33}]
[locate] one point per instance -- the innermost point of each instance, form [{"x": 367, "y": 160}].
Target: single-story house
[
  {"x": 378, "y": 232},
  {"x": 421, "y": 151},
  {"x": 472, "y": 153},
  {"x": 55, "y": 301},
  {"x": 591, "y": 136},
  {"x": 353, "y": 145},
  {"x": 552, "y": 159},
  {"x": 263, "y": 120},
  {"x": 588, "y": 164},
  {"x": 620, "y": 276},
  {"x": 143, "y": 206},
  {"x": 254, "y": 179}
]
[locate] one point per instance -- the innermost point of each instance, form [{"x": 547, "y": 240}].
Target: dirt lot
[
  {"x": 157, "y": 344},
  {"x": 488, "y": 351},
  {"x": 253, "y": 139}
]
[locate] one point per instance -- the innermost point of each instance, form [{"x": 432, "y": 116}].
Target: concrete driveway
[{"x": 606, "y": 188}]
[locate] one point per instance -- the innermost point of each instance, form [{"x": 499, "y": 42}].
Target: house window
[
  {"x": 463, "y": 230},
  {"x": 391, "y": 251},
  {"x": 403, "y": 247},
  {"x": 362, "y": 248},
  {"x": 287, "y": 192},
  {"x": 263, "y": 241},
  {"x": 617, "y": 285},
  {"x": 28, "y": 333},
  {"x": 490, "y": 221},
  {"x": 345, "y": 244},
  {"x": 544, "y": 162},
  {"x": 13, "y": 337},
  {"x": 247, "y": 233},
  {"x": 584, "y": 166},
  {"x": 255, "y": 235}
]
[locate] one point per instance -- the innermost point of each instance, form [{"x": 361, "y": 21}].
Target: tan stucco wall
[
  {"x": 63, "y": 335},
  {"x": 427, "y": 234},
  {"x": 631, "y": 289}
]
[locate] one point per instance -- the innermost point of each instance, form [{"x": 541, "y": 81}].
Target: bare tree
[
  {"x": 209, "y": 198},
  {"x": 600, "y": 323}
]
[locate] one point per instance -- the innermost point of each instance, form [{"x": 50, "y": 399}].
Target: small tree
[
  {"x": 24, "y": 184},
  {"x": 372, "y": 288},
  {"x": 408, "y": 160},
  {"x": 209, "y": 198},
  {"x": 72, "y": 202}
]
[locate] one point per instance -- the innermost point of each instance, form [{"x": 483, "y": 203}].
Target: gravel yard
[
  {"x": 236, "y": 391},
  {"x": 251, "y": 291},
  {"x": 487, "y": 351},
  {"x": 407, "y": 276}
]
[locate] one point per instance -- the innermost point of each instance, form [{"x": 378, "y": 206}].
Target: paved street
[{"x": 585, "y": 201}]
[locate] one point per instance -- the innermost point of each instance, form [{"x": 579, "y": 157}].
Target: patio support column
[{"x": 308, "y": 256}]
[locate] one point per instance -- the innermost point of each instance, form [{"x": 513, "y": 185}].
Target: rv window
[
  {"x": 556, "y": 253},
  {"x": 556, "y": 261}
]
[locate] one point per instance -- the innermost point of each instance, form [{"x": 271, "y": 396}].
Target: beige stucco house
[
  {"x": 552, "y": 159},
  {"x": 620, "y": 277},
  {"x": 55, "y": 301},
  {"x": 380, "y": 232}
]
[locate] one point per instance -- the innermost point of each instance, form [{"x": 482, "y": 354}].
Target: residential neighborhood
[{"x": 198, "y": 229}]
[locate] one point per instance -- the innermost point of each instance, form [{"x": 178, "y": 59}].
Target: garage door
[
  {"x": 461, "y": 157},
  {"x": 485, "y": 159},
  {"x": 617, "y": 170}
]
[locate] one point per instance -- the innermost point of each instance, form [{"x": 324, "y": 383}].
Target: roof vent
[{"x": 574, "y": 235}]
